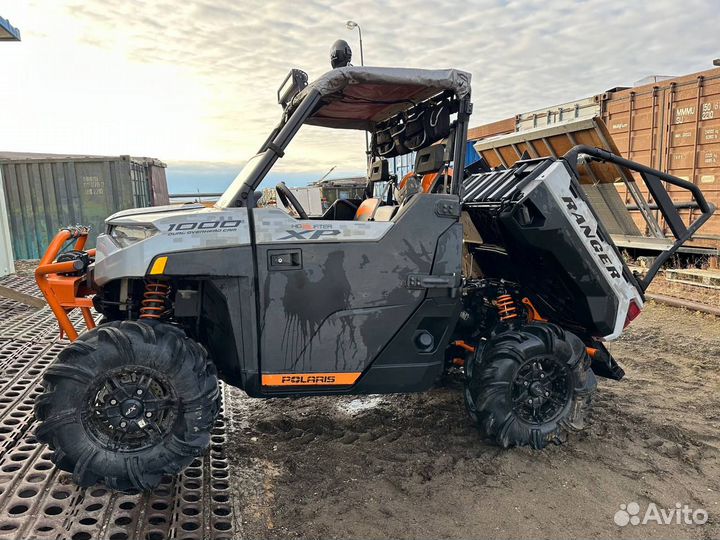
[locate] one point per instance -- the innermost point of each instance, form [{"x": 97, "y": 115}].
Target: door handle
[{"x": 284, "y": 259}]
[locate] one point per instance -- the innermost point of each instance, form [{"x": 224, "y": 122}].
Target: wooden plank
[{"x": 23, "y": 298}]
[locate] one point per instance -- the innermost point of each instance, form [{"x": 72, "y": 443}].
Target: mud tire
[
  {"x": 494, "y": 386},
  {"x": 148, "y": 347}
]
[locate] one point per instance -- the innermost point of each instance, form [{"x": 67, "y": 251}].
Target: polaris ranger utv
[{"x": 369, "y": 298}]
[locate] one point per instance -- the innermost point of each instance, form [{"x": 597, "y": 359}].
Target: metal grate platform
[
  {"x": 10, "y": 308},
  {"x": 39, "y": 501}
]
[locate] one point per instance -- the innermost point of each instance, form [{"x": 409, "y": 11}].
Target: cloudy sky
[{"x": 194, "y": 82}]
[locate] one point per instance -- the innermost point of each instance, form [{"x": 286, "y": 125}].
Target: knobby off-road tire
[
  {"x": 530, "y": 386},
  {"x": 127, "y": 403}
]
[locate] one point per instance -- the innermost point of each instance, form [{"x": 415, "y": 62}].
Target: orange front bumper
[{"x": 62, "y": 292}]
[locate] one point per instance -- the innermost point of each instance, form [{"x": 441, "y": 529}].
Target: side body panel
[
  {"x": 311, "y": 296},
  {"x": 179, "y": 229},
  {"x": 227, "y": 319},
  {"x": 345, "y": 306},
  {"x": 591, "y": 257}
]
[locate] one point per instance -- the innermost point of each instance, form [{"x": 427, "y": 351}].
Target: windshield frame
[
  {"x": 240, "y": 190},
  {"x": 249, "y": 171}
]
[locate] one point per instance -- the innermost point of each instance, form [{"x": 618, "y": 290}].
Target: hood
[{"x": 141, "y": 214}]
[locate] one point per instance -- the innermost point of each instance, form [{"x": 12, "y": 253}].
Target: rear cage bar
[{"x": 653, "y": 180}]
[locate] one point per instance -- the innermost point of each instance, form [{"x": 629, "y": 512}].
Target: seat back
[
  {"x": 430, "y": 159},
  {"x": 429, "y": 168},
  {"x": 367, "y": 209},
  {"x": 385, "y": 213},
  {"x": 378, "y": 171}
]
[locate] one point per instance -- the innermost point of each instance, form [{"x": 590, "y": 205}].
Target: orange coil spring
[
  {"x": 506, "y": 307},
  {"x": 154, "y": 300}
]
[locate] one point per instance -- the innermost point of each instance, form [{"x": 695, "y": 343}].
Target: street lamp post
[{"x": 351, "y": 25}]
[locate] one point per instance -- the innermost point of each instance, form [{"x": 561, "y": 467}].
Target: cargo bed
[{"x": 533, "y": 224}]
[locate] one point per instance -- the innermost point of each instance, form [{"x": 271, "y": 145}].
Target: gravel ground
[{"x": 412, "y": 466}]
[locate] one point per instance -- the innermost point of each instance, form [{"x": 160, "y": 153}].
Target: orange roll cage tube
[{"x": 64, "y": 293}]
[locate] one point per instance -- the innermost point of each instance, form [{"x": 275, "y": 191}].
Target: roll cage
[{"x": 358, "y": 98}]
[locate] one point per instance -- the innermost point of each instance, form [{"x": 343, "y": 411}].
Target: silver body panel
[
  {"x": 180, "y": 228},
  {"x": 195, "y": 227},
  {"x": 275, "y": 225},
  {"x": 601, "y": 252}
]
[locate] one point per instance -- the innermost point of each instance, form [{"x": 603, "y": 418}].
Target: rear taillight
[{"x": 632, "y": 312}]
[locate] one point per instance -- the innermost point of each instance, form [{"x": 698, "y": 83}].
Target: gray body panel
[
  {"x": 273, "y": 225},
  {"x": 343, "y": 303}
]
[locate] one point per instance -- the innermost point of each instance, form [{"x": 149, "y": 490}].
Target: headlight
[{"x": 127, "y": 235}]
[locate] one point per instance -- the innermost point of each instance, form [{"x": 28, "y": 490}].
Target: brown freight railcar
[{"x": 672, "y": 124}]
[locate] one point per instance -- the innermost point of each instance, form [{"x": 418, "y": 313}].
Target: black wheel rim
[
  {"x": 130, "y": 408},
  {"x": 540, "y": 390}
]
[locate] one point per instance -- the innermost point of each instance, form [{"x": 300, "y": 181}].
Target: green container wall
[{"x": 44, "y": 196}]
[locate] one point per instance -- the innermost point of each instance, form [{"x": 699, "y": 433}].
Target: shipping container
[
  {"x": 670, "y": 123},
  {"x": 310, "y": 198},
  {"x": 673, "y": 125},
  {"x": 500, "y": 127},
  {"x": 566, "y": 112},
  {"x": 45, "y": 192},
  {"x": 341, "y": 188},
  {"x": 7, "y": 265},
  {"x": 599, "y": 180},
  {"x": 155, "y": 172}
]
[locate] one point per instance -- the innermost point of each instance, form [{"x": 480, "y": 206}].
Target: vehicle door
[{"x": 352, "y": 306}]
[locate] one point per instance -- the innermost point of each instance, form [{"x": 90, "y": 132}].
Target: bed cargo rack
[
  {"x": 498, "y": 188},
  {"x": 653, "y": 179}
]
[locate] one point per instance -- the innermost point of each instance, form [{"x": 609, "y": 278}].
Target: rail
[{"x": 653, "y": 180}]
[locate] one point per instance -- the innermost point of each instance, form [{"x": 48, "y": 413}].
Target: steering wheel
[{"x": 288, "y": 198}]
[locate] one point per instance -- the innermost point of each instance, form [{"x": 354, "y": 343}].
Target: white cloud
[{"x": 196, "y": 81}]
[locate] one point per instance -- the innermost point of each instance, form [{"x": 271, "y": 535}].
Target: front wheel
[
  {"x": 530, "y": 386},
  {"x": 127, "y": 403}
]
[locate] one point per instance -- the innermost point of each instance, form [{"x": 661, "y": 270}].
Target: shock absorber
[
  {"x": 506, "y": 307},
  {"x": 154, "y": 302}
]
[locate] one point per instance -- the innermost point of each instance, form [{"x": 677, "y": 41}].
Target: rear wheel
[
  {"x": 530, "y": 386},
  {"x": 127, "y": 403}
]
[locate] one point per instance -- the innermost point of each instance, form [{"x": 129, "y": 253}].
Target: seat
[
  {"x": 367, "y": 209},
  {"x": 429, "y": 176},
  {"x": 386, "y": 213},
  {"x": 342, "y": 210},
  {"x": 429, "y": 165},
  {"x": 379, "y": 171}
]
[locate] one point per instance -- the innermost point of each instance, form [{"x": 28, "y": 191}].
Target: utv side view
[{"x": 509, "y": 273}]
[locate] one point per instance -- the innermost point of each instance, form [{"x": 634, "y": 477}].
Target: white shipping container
[
  {"x": 310, "y": 198},
  {"x": 565, "y": 112},
  {"x": 7, "y": 264}
]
